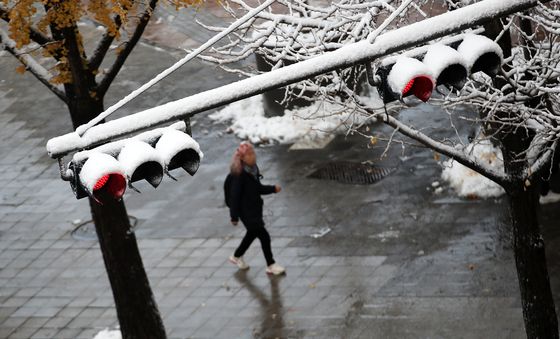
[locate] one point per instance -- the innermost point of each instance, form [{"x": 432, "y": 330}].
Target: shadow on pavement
[{"x": 272, "y": 323}]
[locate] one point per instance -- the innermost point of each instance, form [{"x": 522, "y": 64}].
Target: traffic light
[
  {"x": 438, "y": 65},
  {"x": 178, "y": 149},
  {"x": 102, "y": 177},
  {"x": 446, "y": 65},
  {"x": 481, "y": 54},
  {"x": 141, "y": 161},
  {"x": 104, "y": 172},
  {"x": 407, "y": 76}
]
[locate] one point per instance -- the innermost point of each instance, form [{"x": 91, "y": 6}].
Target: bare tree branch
[
  {"x": 103, "y": 46},
  {"x": 129, "y": 45},
  {"x": 452, "y": 152},
  {"x": 32, "y": 66},
  {"x": 72, "y": 89}
]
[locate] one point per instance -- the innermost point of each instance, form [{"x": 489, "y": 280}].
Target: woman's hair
[{"x": 236, "y": 166}]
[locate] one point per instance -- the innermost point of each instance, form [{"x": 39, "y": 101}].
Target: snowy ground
[
  {"x": 468, "y": 183},
  {"x": 108, "y": 334},
  {"x": 316, "y": 121}
]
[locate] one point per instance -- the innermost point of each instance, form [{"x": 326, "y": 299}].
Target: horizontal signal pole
[{"x": 347, "y": 56}]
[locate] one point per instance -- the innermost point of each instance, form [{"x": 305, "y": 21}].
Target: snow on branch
[
  {"x": 524, "y": 96},
  {"x": 455, "y": 153},
  {"x": 327, "y": 72}
]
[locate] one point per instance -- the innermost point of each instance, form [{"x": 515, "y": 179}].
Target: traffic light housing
[
  {"x": 102, "y": 177},
  {"x": 446, "y": 65},
  {"x": 142, "y": 161},
  {"x": 481, "y": 54},
  {"x": 104, "y": 172},
  {"x": 438, "y": 64},
  {"x": 408, "y": 76},
  {"x": 178, "y": 149}
]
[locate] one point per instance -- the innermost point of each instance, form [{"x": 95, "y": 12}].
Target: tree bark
[
  {"x": 137, "y": 310},
  {"x": 539, "y": 312}
]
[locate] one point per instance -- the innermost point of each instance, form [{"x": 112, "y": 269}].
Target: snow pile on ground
[
  {"x": 310, "y": 122},
  {"x": 107, "y": 334},
  {"x": 468, "y": 183}
]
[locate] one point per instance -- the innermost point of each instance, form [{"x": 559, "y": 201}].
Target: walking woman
[{"x": 245, "y": 204}]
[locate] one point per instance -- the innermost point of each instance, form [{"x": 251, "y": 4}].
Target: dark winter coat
[{"x": 246, "y": 202}]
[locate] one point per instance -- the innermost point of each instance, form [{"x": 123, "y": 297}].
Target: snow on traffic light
[
  {"x": 178, "y": 149},
  {"x": 408, "y": 76},
  {"x": 446, "y": 65},
  {"x": 102, "y": 177},
  {"x": 104, "y": 172},
  {"x": 439, "y": 65},
  {"x": 142, "y": 161},
  {"x": 481, "y": 54}
]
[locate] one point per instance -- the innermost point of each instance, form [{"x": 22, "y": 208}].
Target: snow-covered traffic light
[
  {"x": 481, "y": 54},
  {"x": 438, "y": 64},
  {"x": 101, "y": 177},
  {"x": 447, "y": 66},
  {"x": 141, "y": 161},
  {"x": 179, "y": 150},
  {"x": 105, "y": 171},
  {"x": 407, "y": 76}
]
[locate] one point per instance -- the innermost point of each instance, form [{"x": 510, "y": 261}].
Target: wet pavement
[{"x": 399, "y": 261}]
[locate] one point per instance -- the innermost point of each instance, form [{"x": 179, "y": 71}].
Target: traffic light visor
[
  {"x": 448, "y": 66},
  {"x": 178, "y": 149},
  {"x": 481, "y": 54},
  {"x": 142, "y": 161}
]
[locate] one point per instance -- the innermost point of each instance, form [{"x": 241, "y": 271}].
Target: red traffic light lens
[
  {"x": 101, "y": 182},
  {"x": 113, "y": 185},
  {"x": 421, "y": 86}
]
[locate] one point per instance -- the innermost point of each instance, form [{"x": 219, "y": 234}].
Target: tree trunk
[
  {"x": 536, "y": 297},
  {"x": 539, "y": 312},
  {"x": 137, "y": 310}
]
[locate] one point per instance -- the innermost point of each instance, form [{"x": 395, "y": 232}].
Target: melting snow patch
[
  {"x": 468, "y": 183},
  {"x": 107, "y": 334},
  {"x": 311, "y": 122},
  {"x": 322, "y": 232},
  {"x": 386, "y": 235}
]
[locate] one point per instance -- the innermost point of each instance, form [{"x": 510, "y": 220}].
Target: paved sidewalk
[{"x": 400, "y": 261}]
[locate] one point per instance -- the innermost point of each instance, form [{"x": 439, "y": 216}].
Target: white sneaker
[
  {"x": 239, "y": 262},
  {"x": 275, "y": 269},
  {"x": 551, "y": 197}
]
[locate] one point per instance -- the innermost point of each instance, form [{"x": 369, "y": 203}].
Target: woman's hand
[{"x": 277, "y": 188}]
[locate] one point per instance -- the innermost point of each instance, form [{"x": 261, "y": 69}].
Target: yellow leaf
[
  {"x": 373, "y": 140},
  {"x": 21, "y": 69},
  {"x": 436, "y": 156}
]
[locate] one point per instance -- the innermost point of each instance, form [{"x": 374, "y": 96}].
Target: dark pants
[{"x": 256, "y": 230}]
